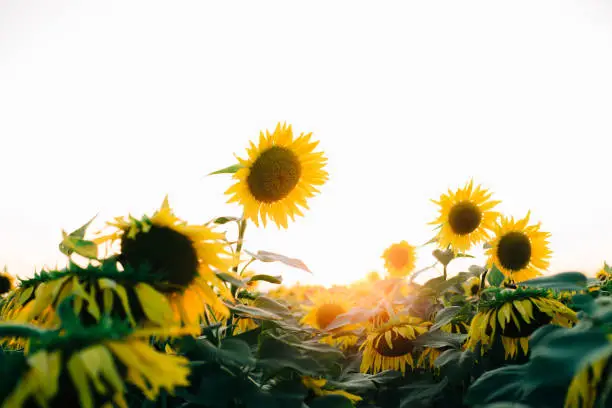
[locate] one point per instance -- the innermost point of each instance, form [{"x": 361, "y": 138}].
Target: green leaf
[
  {"x": 444, "y": 257},
  {"x": 437, "y": 339},
  {"x": 267, "y": 278},
  {"x": 271, "y": 305},
  {"x": 265, "y": 256},
  {"x": 331, "y": 401},
  {"x": 225, "y": 220},
  {"x": 230, "y": 279},
  {"x": 253, "y": 312},
  {"x": 495, "y": 277},
  {"x": 559, "y": 281},
  {"x": 74, "y": 242},
  {"x": 422, "y": 394},
  {"x": 228, "y": 170},
  {"x": 445, "y": 316}
]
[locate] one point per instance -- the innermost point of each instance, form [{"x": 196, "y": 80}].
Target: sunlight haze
[{"x": 109, "y": 106}]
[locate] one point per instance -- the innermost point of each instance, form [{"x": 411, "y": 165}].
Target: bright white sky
[{"x": 107, "y": 106}]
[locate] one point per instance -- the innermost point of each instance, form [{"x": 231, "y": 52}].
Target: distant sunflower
[
  {"x": 184, "y": 256},
  {"x": 465, "y": 218},
  {"x": 390, "y": 346},
  {"x": 7, "y": 282},
  {"x": 512, "y": 316},
  {"x": 324, "y": 309},
  {"x": 400, "y": 259},
  {"x": 602, "y": 275},
  {"x": 471, "y": 287},
  {"x": 518, "y": 250},
  {"x": 278, "y": 176}
]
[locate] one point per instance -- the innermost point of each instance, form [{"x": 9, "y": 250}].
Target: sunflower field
[{"x": 152, "y": 311}]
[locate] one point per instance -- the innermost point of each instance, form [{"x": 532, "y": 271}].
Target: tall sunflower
[
  {"x": 512, "y": 316},
  {"x": 390, "y": 346},
  {"x": 399, "y": 259},
  {"x": 465, "y": 217},
  {"x": 185, "y": 257},
  {"x": 278, "y": 176},
  {"x": 519, "y": 251}
]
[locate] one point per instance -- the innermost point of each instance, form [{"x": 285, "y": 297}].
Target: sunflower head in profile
[
  {"x": 603, "y": 275},
  {"x": 7, "y": 281},
  {"x": 512, "y": 315},
  {"x": 466, "y": 217},
  {"x": 183, "y": 258},
  {"x": 519, "y": 250},
  {"x": 390, "y": 346},
  {"x": 399, "y": 259},
  {"x": 278, "y": 176},
  {"x": 471, "y": 287}
]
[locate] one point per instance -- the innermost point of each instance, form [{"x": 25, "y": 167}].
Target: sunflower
[
  {"x": 465, "y": 217},
  {"x": 586, "y": 385},
  {"x": 518, "y": 250},
  {"x": 316, "y": 386},
  {"x": 278, "y": 176},
  {"x": 185, "y": 257},
  {"x": 471, "y": 287},
  {"x": 390, "y": 346},
  {"x": 399, "y": 259},
  {"x": 98, "y": 367},
  {"x": 7, "y": 281},
  {"x": 512, "y": 316},
  {"x": 324, "y": 309},
  {"x": 602, "y": 275}
]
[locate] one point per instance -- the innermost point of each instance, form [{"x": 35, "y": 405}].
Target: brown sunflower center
[
  {"x": 474, "y": 289},
  {"x": 164, "y": 251},
  {"x": 514, "y": 251},
  {"x": 5, "y": 284},
  {"x": 400, "y": 346},
  {"x": 274, "y": 174},
  {"x": 326, "y": 314},
  {"x": 464, "y": 218},
  {"x": 399, "y": 256}
]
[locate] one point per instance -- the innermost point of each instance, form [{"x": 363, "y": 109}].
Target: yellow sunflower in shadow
[
  {"x": 316, "y": 386},
  {"x": 278, "y": 176},
  {"x": 466, "y": 217},
  {"x": 390, "y": 346},
  {"x": 98, "y": 373},
  {"x": 7, "y": 281},
  {"x": 185, "y": 257},
  {"x": 471, "y": 287},
  {"x": 519, "y": 250},
  {"x": 512, "y": 316},
  {"x": 400, "y": 259}
]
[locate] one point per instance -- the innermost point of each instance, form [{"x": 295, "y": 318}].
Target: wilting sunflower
[
  {"x": 399, "y": 259},
  {"x": 471, "y": 287},
  {"x": 185, "y": 257},
  {"x": 518, "y": 250},
  {"x": 7, "y": 281},
  {"x": 465, "y": 218},
  {"x": 316, "y": 386},
  {"x": 94, "y": 374},
  {"x": 390, "y": 346},
  {"x": 278, "y": 176},
  {"x": 512, "y": 316}
]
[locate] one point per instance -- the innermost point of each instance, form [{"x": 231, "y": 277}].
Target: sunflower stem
[
  {"x": 20, "y": 330},
  {"x": 445, "y": 266}
]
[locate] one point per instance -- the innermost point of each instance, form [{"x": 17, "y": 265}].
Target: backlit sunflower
[
  {"x": 471, "y": 287},
  {"x": 96, "y": 374},
  {"x": 278, "y": 176},
  {"x": 184, "y": 256},
  {"x": 390, "y": 346},
  {"x": 518, "y": 250},
  {"x": 324, "y": 309},
  {"x": 602, "y": 275},
  {"x": 512, "y": 316},
  {"x": 466, "y": 217},
  {"x": 399, "y": 259},
  {"x": 7, "y": 282}
]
